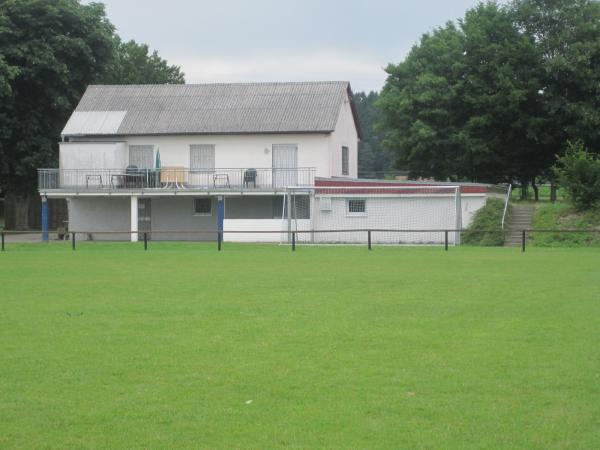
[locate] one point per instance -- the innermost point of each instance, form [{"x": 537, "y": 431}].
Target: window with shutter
[
  {"x": 202, "y": 158},
  {"x": 141, "y": 156}
]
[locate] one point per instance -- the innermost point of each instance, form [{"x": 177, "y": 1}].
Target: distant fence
[{"x": 366, "y": 237}]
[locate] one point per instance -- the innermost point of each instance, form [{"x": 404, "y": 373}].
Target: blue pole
[
  {"x": 45, "y": 219},
  {"x": 220, "y": 214}
]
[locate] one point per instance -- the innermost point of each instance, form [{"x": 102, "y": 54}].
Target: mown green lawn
[{"x": 328, "y": 347}]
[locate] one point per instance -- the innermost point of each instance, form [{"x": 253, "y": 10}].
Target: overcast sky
[{"x": 270, "y": 40}]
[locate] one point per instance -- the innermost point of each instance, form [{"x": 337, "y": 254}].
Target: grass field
[{"x": 328, "y": 347}]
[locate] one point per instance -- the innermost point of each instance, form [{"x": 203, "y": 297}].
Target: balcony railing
[{"x": 174, "y": 178}]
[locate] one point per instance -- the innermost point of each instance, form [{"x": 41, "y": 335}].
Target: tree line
[
  {"x": 496, "y": 96},
  {"x": 50, "y": 51}
]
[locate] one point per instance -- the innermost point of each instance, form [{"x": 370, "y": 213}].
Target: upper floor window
[
  {"x": 345, "y": 161},
  {"x": 141, "y": 156},
  {"x": 202, "y": 157}
]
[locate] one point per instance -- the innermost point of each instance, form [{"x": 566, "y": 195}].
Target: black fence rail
[{"x": 366, "y": 237}]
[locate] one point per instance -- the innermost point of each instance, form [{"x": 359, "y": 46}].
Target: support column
[
  {"x": 134, "y": 218},
  {"x": 44, "y": 218},
  {"x": 220, "y": 213}
]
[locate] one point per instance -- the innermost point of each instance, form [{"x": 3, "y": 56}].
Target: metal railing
[
  {"x": 506, "y": 202},
  {"x": 174, "y": 178}
]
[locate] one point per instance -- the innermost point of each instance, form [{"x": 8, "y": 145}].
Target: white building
[{"x": 176, "y": 160}]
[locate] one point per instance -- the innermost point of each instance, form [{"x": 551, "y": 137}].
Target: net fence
[{"x": 395, "y": 215}]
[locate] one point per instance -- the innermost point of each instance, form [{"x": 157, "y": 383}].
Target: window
[
  {"x": 345, "y": 161},
  {"x": 202, "y": 158},
  {"x": 356, "y": 207},
  {"x": 141, "y": 156},
  {"x": 202, "y": 206}
]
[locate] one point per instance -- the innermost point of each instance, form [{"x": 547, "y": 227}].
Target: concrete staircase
[{"x": 520, "y": 219}]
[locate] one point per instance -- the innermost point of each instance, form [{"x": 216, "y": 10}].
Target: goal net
[{"x": 393, "y": 214}]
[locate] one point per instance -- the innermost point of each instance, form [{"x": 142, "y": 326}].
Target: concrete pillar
[
  {"x": 44, "y": 218},
  {"x": 134, "y": 218}
]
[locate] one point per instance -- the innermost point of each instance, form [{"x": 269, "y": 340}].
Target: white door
[{"x": 285, "y": 165}]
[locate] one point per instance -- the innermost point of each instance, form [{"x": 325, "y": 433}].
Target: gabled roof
[{"x": 240, "y": 108}]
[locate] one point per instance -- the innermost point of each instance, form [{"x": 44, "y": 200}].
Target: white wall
[
  {"x": 241, "y": 151},
  {"x": 96, "y": 155},
  {"x": 407, "y": 212},
  {"x": 232, "y": 225},
  {"x": 344, "y": 135}
]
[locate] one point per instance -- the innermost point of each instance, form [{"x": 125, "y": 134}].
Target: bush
[
  {"x": 486, "y": 229},
  {"x": 578, "y": 172}
]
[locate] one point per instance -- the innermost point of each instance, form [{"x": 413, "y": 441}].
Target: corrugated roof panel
[
  {"x": 94, "y": 122},
  {"x": 210, "y": 108}
]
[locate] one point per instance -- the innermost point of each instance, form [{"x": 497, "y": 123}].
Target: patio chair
[
  {"x": 249, "y": 177},
  {"x": 133, "y": 177}
]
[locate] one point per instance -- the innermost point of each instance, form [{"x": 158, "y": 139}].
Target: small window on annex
[{"x": 356, "y": 207}]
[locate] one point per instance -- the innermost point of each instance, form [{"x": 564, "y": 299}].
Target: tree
[
  {"x": 505, "y": 121},
  {"x": 51, "y": 50},
  {"x": 373, "y": 157},
  {"x": 133, "y": 64},
  {"x": 567, "y": 34},
  {"x": 495, "y": 97},
  {"x": 421, "y": 108}
]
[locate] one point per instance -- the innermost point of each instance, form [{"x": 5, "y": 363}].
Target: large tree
[
  {"x": 421, "y": 107},
  {"x": 134, "y": 64},
  {"x": 495, "y": 97},
  {"x": 50, "y": 51},
  {"x": 567, "y": 35}
]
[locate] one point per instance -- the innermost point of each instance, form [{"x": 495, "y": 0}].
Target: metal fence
[{"x": 360, "y": 237}]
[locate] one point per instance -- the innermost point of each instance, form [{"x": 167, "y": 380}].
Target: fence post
[
  {"x": 145, "y": 240},
  {"x": 219, "y": 239},
  {"x": 2, "y": 240},
  {"x": 369, "y": 238},
  {"x": 446, "y": 240},
  {"x": 523, "y": 239},
  {"x": 293, "y": 241},
  {"x": 73, "y": 240}
]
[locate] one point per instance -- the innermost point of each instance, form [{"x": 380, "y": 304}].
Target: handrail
[
  {"x": 174, "y": 177},
  {"x": 508, "y": 194}
]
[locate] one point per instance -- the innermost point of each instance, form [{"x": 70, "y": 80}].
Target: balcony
[{"x": 173, "y": 179}]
